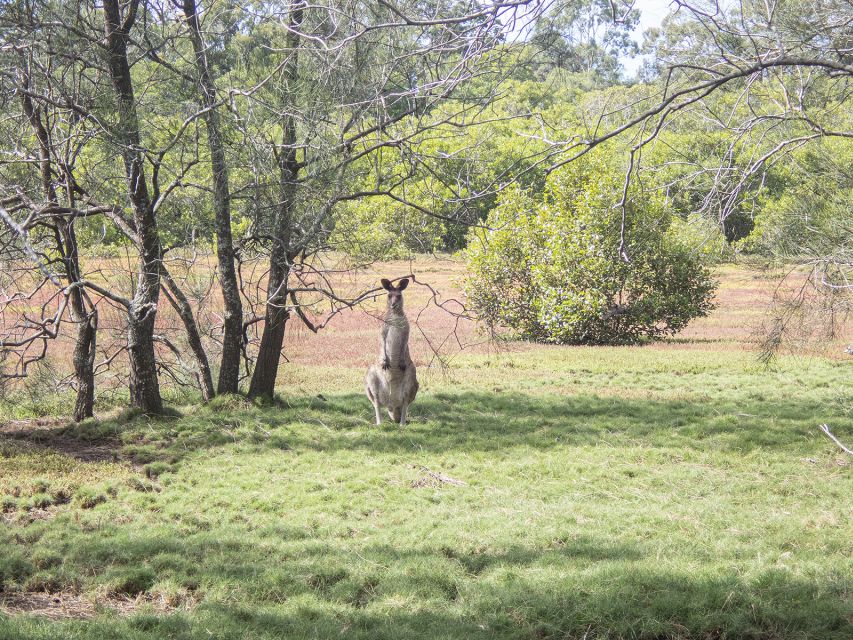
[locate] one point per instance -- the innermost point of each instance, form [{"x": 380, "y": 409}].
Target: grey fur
[{"x": 393, "y": 382}]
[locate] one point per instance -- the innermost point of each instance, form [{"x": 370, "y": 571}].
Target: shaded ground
[{"x": 54, "y": 434}]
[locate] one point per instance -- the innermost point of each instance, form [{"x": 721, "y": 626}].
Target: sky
[{"x": 652, "y": 13}]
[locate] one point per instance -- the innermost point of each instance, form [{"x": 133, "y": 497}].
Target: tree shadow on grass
[
  {"x": 471, "y": 421},
  {"x": 642, "y": 605},
  {"x": 281, "y": 581},
  {"x": 591, "y": 589},
  {"x": 465, "y": 421}
]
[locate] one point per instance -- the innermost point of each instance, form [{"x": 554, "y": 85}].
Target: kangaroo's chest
[
  {"x": 395, "y": 333},
  {"x": 396, "y": 324}
]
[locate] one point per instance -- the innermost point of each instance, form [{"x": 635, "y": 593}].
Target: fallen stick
[
  {"x": 442, "y": 478},
  {"x": 825, "y": 429}
]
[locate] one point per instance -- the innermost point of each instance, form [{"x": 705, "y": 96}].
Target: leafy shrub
[{"x": 549, "y": 269}]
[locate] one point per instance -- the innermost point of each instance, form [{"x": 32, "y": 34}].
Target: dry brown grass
[
  {"x": 69, "y": 605},
  {"x": 744, "y": 300}
]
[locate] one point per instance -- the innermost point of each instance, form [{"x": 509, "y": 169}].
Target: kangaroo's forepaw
[
  {"x": 402, "y": 367},
  {"x": 386, "y": 364}
]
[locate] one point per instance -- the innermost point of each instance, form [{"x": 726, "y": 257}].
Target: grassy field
[{"x": 671, "y": 491}]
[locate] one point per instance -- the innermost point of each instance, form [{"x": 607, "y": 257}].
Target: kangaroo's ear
[
  {"x": 386, "y": 284},
  {"x": 402, "y": 284}
]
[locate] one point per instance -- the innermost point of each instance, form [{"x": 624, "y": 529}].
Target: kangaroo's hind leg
[
  {"x": 375, "y": 401},
  {"x": 403, "y": 411},
  {"x": 378, "y": 414}
]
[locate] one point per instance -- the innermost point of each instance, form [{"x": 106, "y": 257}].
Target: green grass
[{"x": 609, "y": 493}]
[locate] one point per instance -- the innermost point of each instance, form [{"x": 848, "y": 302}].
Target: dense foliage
[{"x": 549, "y": 268}]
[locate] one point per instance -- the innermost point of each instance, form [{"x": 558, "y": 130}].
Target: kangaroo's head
[{"x": 395, "y": 294}]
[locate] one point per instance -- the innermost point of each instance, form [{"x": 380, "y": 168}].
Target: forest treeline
[{"x": 269, "y": 136}]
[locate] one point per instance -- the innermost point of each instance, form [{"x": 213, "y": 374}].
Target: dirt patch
[
  {"x": 29, "y": 516},
  {"x": 68, "y": 605},
  {"x": 34, "y": 424},
  {"x": 52, "y": 434},
  {"x": 48, "y": 605}
]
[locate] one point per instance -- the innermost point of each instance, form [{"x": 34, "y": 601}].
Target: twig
[
  {"x": 825, "y": 429},
  {"x": 442, "y": 478}
]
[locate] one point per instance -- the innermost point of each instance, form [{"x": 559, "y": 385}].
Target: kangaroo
[{"x": 393, "y": 381}]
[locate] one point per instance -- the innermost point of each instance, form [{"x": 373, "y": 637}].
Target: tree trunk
[
  {"x": 232, "y": 340},
  {"x": 182, "y": 306},
  {"x": 144, "y": 385},
  {"x": 84, "y": 313},
  {"x": 85, "y": 316},
  {"x": 269, "y": 354},
  {"x": 84, "y": 366},
  {"x": 276, "y": 315}
]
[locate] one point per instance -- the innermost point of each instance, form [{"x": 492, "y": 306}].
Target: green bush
[{"x": 549, "y": 268}]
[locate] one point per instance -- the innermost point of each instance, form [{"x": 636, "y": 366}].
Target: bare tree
[
  {"x": 82, "y": 104},
  {"x": 142, "y": 310},
  {"x": 50, "y": 220},
  {"x": 232, "y": 339},
  {"x": 83, "y": 311}
]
